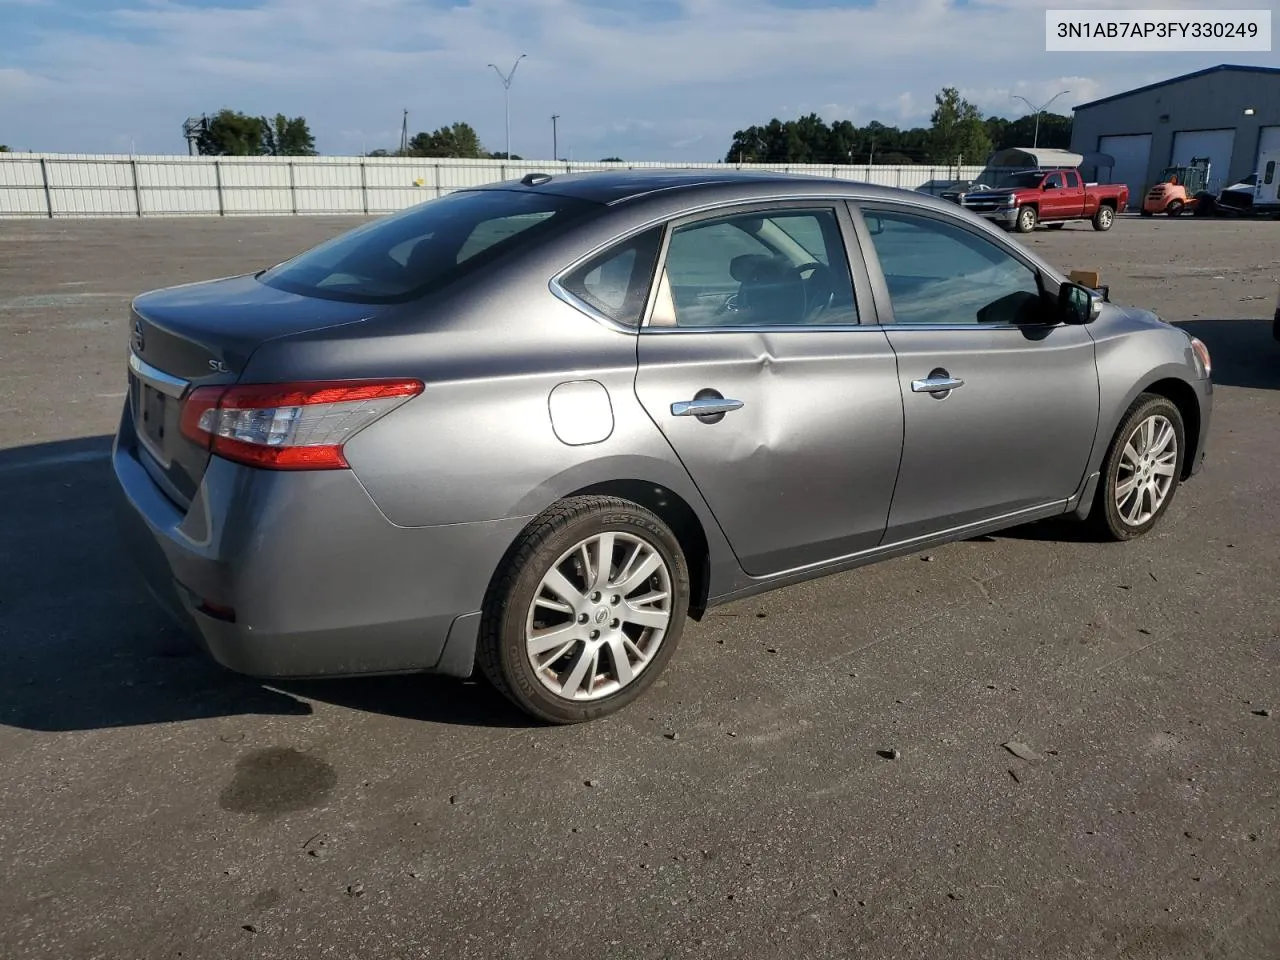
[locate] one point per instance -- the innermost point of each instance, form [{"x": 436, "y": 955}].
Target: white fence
[{"x": 88, "y": 185}]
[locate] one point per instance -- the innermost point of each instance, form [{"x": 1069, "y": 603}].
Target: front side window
[
  {"x": 783, "y": 268},
  {"x": 421, "y": 249},
  {"x": 940, "y": 273},
  {"x": 616, "y": 282},
  {"x": 1053, "y": 181}
]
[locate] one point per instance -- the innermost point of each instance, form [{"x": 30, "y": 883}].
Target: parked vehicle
[
  {"x": 1238, "y": 197},
  {"x": 534, "y": 425},
  {"x": 1052, "y": 197},
  {"x": 1266, "y": 190},
  {"x": 1179, "y": 189},
  {"x": 1011, "y": 160}
]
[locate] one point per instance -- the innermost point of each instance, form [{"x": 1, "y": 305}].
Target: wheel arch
[
  {"x": 673, "y": 510},
  {"x": 1183, "y": 396}
]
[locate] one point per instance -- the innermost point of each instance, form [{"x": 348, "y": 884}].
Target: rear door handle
[
  {"x": 936, "y": 384},
  {"x": 704, "y": 408}
]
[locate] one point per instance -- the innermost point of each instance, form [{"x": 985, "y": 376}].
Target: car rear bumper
[{"x": 298, "y": 574}]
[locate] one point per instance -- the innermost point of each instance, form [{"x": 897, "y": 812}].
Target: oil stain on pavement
[{"x": 277, "y": 780}]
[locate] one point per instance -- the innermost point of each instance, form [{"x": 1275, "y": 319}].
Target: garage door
[
  {"x": 1268, "y": 142},
  {"x": 1214, "y": 144},
  {"x": 1131, "y": 153}
]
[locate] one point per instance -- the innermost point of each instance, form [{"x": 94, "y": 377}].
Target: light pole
[
  {"x": 506, "y": 95},
  {"x": 1039, "y": 110},
  {"x": 555, "y": 145}
]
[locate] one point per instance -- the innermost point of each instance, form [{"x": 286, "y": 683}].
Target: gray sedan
[{"x": 534, "y": 426}]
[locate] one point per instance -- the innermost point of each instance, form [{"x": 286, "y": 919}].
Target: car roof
[{"x": 615, "y": 187}]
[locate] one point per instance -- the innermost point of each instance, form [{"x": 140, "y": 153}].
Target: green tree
[
  {"x": 610, "y": 159},
  {"x": 500, "y": 155},
  {"x": 4, "y": 148},
  {"x": 230, "y": 133},
  {"x": 287, "y": 137},
  {"x": 1055, "y": 131},
  {"x": 457, "y": 140},
  {"x": 958, "y": 130}
]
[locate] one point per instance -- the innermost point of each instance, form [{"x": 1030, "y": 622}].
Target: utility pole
[
  {"x": 506, "y": 95},
  {"x": 404, "y": 133},
  {"x": 1039, "y": 110},
  {"x": 555, "y": 145}
]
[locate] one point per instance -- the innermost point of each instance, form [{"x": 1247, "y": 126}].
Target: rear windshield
[{"x": 421, "y": 249}]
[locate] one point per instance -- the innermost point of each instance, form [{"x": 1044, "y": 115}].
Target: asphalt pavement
[{"x": 1088, "y": 757}]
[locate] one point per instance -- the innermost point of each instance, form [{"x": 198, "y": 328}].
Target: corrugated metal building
[{"x": 1228, "y": 113}]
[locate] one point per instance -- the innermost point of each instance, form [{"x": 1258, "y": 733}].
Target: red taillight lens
[{"x": 289, "y": 426}]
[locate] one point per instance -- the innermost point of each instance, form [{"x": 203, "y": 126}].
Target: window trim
[
  {"x": 880, "y": 288},
  {"x": 836, "y": 205}
]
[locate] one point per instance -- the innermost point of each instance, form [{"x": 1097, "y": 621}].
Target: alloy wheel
[
  {"x": 1148, "y": 462},
  {"x": 598, "y": 617}
]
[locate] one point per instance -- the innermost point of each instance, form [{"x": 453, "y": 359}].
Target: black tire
[
  {"x": 1148, "y": 213},
  {"x": 1027, "y": 220},
  {"x": 1275, "y": 326},
  {"x": 1105, "y": 516},
  {"x": 501, "y": 653},
  {"x": 1104, "y": 218},
  {"x": 1175, "y": 208},
  {"x": 1055, "y": 226}
]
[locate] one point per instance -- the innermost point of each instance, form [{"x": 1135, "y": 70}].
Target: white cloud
[{"x": 623, "y": 83}]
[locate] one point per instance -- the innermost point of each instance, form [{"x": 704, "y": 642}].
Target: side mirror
[{"x": 1079, "y": 304}]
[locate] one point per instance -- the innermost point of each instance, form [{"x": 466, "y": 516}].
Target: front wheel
[
  {"x": 1026, "y": 221},
  {"x": 1175, "y": 208},
  {"x": 1103, "y": 219},
  {"x": 585, "y": 611},
  {"x": 1142, "y": 469}
]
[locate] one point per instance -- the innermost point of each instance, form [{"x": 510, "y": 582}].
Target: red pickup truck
[{"x": 1052, "y": 197}]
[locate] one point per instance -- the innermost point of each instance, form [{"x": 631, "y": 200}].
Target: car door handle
[
  {"x": 706, "y": 407},
  {"x": 936, "y": 384}
]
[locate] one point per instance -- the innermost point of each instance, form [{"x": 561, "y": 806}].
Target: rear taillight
[{"x": 289, "y": 426}]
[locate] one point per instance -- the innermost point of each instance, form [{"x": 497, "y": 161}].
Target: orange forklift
[{"x": 1179, "y": 189}]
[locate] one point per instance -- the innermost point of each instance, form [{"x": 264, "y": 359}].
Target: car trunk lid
[{"x": 203, "y": 335}]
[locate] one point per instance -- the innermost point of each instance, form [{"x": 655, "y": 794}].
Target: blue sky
[{"x": 647, "y": 80}]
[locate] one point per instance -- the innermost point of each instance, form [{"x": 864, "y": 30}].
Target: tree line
[
  {"x": 957, "y": 133},
  {"x": 230, "y": 133}
]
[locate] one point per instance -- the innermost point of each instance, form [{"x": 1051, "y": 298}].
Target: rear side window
[
  {"x": 426, "y": 247},
  {"x": 1271, "y": 172},
  {"x": 616, "y": 282},
  {"x": 1073, "y": 180}
]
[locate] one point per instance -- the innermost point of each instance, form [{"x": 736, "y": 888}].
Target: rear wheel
[
  {"x": 1103, "y": 219},
  {"x": 585, "y": 611},
  {"x": 1026, "y": 221},
  {"x": 1175, "y": 208},
  {"x": 1141, "y": 471}
]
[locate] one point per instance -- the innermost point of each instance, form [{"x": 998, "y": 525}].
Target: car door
[
  {"x": 783, "y": 407},
  {"x": 1000, "y": 406},
  {"x": 1054, "y": 198},
  {"x": 1079, "y": 200}
]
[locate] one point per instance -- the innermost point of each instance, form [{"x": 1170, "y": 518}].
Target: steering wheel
[{"x": 819, "y": 289}]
